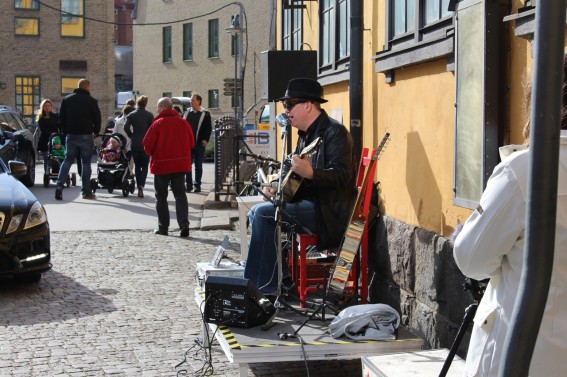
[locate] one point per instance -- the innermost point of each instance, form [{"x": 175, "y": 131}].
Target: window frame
[
  {"x": 80, "y": 16},
  {"x": 74, "y": 86},
  {"x": 19, "y": 97},
  {"x": 336, "y": 68},
  {"x": 31, "y": 7},
  {"x": 292, "y": 27},
  {"x": 188, "y": 41},
  {"x": 213, "y": 29},
  {"x": 212, "y": 103},
  {"x": 422, "y": 43},
  {"x": 37, "y": 19},
  {"x": 166, "y": 43}
]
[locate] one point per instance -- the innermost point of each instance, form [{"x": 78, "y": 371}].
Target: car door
[{"x": 8, "y": 146}]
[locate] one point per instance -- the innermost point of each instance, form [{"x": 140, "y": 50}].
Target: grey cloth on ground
[{"x": 366, "y": 322}]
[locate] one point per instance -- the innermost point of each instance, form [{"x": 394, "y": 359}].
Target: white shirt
[{"x": 491, "y": 245}]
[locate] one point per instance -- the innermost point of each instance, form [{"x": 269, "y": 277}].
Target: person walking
[
  {"x": 200, "y": 121},
  {"x": 137, "y": 124},
  {"x": 80, "y": 120},
  {"x": 168, "y": 142},
  {"x": 48, "y": 123}
]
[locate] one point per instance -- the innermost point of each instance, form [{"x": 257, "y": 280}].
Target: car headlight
[
  {"x": 36, "y": 216},
  {"x": 14, "y": 223}
]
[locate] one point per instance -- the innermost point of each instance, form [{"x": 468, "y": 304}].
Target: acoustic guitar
[
  {"x": 292, "y": 182},
  {"x": 353, "y": 235}
]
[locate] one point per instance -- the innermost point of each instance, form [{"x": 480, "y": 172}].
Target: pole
[{"x": 542, "y": 190}]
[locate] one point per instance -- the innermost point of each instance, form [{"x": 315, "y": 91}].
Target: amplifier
[{"x": 235, "y": 302}]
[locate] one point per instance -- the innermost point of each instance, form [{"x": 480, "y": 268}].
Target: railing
[{"x": 227, "y": 146}]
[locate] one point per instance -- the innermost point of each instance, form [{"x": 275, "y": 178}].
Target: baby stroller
[
  {"x": 116, "y": 174},
  {"x": 53, "y": 161}
]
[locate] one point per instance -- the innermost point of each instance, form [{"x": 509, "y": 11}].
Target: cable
[{"x": 138, "y": 24}]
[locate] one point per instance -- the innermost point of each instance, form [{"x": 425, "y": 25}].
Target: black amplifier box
[{"x": 236, "y": 302}]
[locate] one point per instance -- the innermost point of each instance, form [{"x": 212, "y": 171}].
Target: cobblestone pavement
[{"x": 120, "y": 303}]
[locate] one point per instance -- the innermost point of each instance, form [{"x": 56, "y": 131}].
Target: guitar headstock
[{"x": 383, "y": 143}]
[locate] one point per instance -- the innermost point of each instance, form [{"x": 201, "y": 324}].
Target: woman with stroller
[
  {"x": 48, "y": 122},
  {"x": 137, "y": 123}
]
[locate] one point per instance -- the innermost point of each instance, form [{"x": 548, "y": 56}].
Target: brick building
[
  {"x": 186, "y": 49},
  {"x": 45, "y": 51}
]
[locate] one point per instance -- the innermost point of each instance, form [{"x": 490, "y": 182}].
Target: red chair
[{"x": 311, "y": 275}]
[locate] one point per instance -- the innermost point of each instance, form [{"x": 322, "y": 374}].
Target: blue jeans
[
  {"x": 261, "y": 264},
  {"x": 141, "y": 161},
  {"x": 197, "y": 156},
  {"x": 161, "y": 184},
  {"x": 77, "y": 146}
]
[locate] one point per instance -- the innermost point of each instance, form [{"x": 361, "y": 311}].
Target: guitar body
[
  {"x": 353, "y": 236},
  {"x": 292, "y": 182}
]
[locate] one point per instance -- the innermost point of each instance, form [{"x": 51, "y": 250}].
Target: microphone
[{"x": 283, "y": 120}]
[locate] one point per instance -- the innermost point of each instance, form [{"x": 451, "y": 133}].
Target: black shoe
[
  {"x": 189, "y": 189},
  {"x": 197, "y": 189},
  {"x": 160, "y": 232},
  {"x": 58, "y": 193},
  {"x": 184, "y": 233}
]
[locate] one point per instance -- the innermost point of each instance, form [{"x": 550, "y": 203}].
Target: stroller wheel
[
  {"x": 110, "y": 190},
  {"x": 125, "y": 192},
  {"x": 74, "y": 179},
  {"x": 94, "y": 185},
  {"x": 68, "y": 182},
  {"x": 46, "y": 180}
]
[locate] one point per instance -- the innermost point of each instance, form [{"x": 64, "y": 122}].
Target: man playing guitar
[{"x": 324, "y": 200}]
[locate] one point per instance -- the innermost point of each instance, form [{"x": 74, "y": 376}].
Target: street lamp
[{"x": 235, "y": 29}]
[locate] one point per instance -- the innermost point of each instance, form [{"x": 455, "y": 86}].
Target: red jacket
[{"x": 168, "y": 142}]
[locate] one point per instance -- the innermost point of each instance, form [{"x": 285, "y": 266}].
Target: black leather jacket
[{"x": 333, "y": 186}]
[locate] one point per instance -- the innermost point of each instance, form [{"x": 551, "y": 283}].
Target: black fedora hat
[{"x": 304, "y": 88}]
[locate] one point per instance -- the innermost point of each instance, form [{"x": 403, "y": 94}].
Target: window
[
  {"x": 72, "y": 21},
  {"x": 214, "y": 99},
  {"x": 68, "y": 84},
  {"x": 27, "y": 96},
  {"x": 167, "y": 94},
  {"x": 214, "y": 38},
  {"x": 26, "y": 26},
  {"x": 334, "y": 44},
  {"x": 26, "y": 4},
  {"x": 416, "y": 31},
  {"x": 188, "y": 41},
  {"x": 292, "y": 35},
  {"x": 187, "y": 93},
  {"x": 166, "y": 44}
]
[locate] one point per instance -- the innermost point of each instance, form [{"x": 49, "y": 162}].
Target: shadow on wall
[{"x": 422, "y": 187}]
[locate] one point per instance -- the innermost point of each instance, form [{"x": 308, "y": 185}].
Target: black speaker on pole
[
  {"x": 278, "y": 67},
  {"x": 235, "y": 302}
]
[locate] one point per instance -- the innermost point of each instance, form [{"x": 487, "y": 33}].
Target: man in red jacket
[{"x": 168, "y": 142}]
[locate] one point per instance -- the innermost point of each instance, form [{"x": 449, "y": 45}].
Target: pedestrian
[
  {"x": 48, "y": 123},
  {"x": 119, "y": 125},
  {"x": 491, "y": 245},
  {"x": 137, "y": 124},
  {"x": 168, "y": 142},
  {"x": 200, "y": 121},
  {"x": 324, "y": 200},
  {"x": 80, "y": 120}
]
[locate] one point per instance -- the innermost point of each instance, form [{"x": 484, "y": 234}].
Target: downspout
[
  {"x": 542, "y": 190},
  {"x": 355, "y": 71}
]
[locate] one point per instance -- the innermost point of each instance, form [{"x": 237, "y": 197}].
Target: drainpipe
[
  {"x": 355, "y": 70},
  {"x": 542, "y": 190}
]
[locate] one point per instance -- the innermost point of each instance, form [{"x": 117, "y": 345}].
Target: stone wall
[{"x": 413, "y": 270}]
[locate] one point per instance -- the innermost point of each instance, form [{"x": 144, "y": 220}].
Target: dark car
[
  {"x": 24, "y": 230},
  {"x": 17, "y": 142}
]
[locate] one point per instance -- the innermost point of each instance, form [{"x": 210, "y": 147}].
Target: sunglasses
[{"x": 291, "y": 105}]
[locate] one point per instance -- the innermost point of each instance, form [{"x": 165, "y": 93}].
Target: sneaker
[
  {"x": 160, "y": 232},
  {"x": 90, "y": 196},
  {"x": 197, "y": 189},
  {"x": 189, "y": 189},
  {"x": 184, "y": 233},
  {"x": 58, "y": 193}
]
